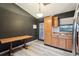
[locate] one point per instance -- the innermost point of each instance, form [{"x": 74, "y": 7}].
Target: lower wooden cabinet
[
  {"x": 55, "y": 42},
  {"x": 69, "y": 44},
  {"x": 59, "y": 42},
  {"x": 62, "y": 43}
]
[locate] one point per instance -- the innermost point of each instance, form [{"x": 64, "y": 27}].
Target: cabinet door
[
  {"x": 55, "y": 42},
  {"x": 47, "y": 30},
  {"x": 47, "y": 39},
  {"x": 55, "y": 21},
  {"x": 68, "y": 44},
  {"x": 62, "y": 43}
]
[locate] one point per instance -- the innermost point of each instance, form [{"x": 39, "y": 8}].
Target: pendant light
[{"x": 39, "y": 14}]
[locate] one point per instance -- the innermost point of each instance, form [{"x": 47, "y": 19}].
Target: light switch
[{"x": 34, "y": 26}]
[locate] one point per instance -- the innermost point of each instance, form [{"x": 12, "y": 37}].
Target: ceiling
[{"x": 49, "y": 9}]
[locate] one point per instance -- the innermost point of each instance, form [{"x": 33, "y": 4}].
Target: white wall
[{"x": 68, "y": 20}]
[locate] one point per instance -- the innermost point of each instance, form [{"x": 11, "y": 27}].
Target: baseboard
[
  {"x": 41, "y": 39},
  {"x": 58, "y": 48}
]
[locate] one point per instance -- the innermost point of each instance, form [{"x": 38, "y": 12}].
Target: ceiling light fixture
[{"x": 39, "y": 14}]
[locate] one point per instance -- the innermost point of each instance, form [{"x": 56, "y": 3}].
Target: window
[{"x": 66, "y": 28}]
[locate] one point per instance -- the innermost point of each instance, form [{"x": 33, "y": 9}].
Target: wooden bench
[{"x": 13, "y": 39}]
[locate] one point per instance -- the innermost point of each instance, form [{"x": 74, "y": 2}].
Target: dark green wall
[
  {"x": 14, "y": 21},
  {"x": 66, "y": 14}
]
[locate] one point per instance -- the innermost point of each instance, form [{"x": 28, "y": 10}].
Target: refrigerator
[{"x": 41, "y": 31}]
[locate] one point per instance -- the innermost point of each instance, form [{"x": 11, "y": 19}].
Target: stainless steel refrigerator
[{"x": 41, "y": 31}]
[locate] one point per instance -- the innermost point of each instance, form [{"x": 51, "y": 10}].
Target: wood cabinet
[
  {"x": 49, "y": 21},
  {"x": 60, "y": 40},
  {"x": 55, "y": 21},
  {"x": 62, "y": 43},
  {"x": 47, "y": 30},
  {"x": 55, "y": 42},
  {"x": 69, "y": 44}
]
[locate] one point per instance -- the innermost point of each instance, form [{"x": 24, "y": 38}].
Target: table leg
[
  {"x": 25, "y": 46},
  {"x": 10, "y": 50}
]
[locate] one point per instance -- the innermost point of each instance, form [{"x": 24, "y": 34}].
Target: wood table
[{"x": 13, "y": 39}]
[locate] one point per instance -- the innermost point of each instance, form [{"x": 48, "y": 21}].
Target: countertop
[{"x": 62, "y": 34}]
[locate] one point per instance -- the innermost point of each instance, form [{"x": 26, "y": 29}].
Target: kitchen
[
  {"x": 58, "y": 31},
  {"x": 42, "y": 29}
]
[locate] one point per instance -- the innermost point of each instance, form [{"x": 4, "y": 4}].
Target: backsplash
[
  {"x": 63, "y": 28},
  {"x": 55, "y": 29}
]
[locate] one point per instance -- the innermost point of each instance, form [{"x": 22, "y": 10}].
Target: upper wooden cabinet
[
  {"x": 55, "y": 22},
  {"x": 47, "y": 30}
]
